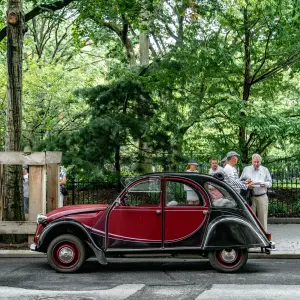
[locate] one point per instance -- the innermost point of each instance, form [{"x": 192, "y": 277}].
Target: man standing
[
  {"x": 63, "y": 191},
  {"x": 26, "y": 188},
  {"x": 261, "y": 180},
  {"x": 215, "y": 168},
  {"x": 232, "y": 177}
]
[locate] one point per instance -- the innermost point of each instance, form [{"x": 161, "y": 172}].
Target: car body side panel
[
  {"x": 138, "y": 225},
  {"x": 182, "y": 222},
  {"x": 232, "y": 231},
  {"x": 98, "y": 231}
]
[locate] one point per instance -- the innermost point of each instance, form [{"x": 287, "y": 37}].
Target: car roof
[{"x": 200, "y": 178}]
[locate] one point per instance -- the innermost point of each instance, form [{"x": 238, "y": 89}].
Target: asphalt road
[{"x": 168, "y": 278}]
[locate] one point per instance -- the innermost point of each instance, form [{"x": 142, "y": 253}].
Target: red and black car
[{"x": 152, "y": 215}]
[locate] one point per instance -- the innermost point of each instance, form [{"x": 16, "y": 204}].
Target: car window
[
  {"x": 144, "y": 193},
  {"x": 182, "y": 194},
  {"x": 220, "y": 196}
]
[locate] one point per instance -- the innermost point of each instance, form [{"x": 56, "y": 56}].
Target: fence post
[{"x": 52, "y": 186}]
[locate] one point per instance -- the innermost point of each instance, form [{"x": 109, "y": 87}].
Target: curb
[
  {"x": 279, "y": 255},
  {"x": 20, "y": 254},
  {"x": 283, "y": 220}
]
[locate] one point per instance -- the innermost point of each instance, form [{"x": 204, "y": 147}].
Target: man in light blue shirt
[{"x": 261, "y": 180}]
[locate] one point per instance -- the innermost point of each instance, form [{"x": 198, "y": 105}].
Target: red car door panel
[
  {"x": 183, "y": 223},
  {"x": 137, "y": 221},
  {"x": 180, "y": 223}
]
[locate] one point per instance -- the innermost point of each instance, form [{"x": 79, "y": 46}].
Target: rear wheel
[
  {"x": 228, "y": 260},
  {"x": 66, "y": 253}
]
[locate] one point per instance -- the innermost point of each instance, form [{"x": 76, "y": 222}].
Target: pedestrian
[
  {"x": 215, "y": 168},
  {"x": 63, "y": 190},
  {"x": 261, "y": 180},
  {"x": 191, "y": 196},
  {"x": 232, "y": 177},
  {"x": 25, "y": 170}
]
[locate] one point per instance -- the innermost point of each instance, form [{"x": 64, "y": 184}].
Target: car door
[
  {"x": 184, "y": 221},
  {"x": 136, "y": 222}
]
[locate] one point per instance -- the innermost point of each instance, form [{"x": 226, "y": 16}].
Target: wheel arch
[
  {"x": 64, "y": 227},
  {"x": 233, "y": 232}
]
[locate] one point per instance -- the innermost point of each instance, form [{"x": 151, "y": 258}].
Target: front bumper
[{"x": 33, "y": 247}]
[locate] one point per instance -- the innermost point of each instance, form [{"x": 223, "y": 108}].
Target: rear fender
[{"x": 233, "y": 232}]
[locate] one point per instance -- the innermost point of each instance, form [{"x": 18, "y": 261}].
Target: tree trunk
[
  {"x": 176, "y": 154},
  {"x": 145, "y": 159},
  {"x": 118, "y": 168},
  {"x": 246, "y": 88},
  {"x": 13, "y": 189}
]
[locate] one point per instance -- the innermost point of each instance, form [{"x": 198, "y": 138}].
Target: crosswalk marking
[
  {"x": 119, "y": 292},
  {"x": 251, "y": 291},
  {"x": 178, "y": 292}
]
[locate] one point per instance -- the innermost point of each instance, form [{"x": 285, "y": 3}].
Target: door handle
[{"x": 158, "y": 212}]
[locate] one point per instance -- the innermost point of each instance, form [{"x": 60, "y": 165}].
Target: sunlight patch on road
[
  {"x": 250, "y": 291},
  {"x": 119, "y": 292}
]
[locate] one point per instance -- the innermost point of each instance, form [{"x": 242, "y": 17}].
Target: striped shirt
[{"x": 233, "y": 180}]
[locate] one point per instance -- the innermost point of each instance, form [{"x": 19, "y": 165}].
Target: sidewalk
[
  {"x": 287, "y": 241},
  {"x": 285, "y": 236}
]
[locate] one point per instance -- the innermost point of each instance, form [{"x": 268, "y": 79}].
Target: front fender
[
  {"x": 62, "y": 224},
  {"x": 233, "y": 232}
]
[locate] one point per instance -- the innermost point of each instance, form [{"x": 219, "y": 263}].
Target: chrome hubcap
[
  {"x": 66, "y": 254},
  {"x": 228, "y": 256}
]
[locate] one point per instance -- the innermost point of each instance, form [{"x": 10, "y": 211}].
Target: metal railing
[
  {"x": 89, "y": 192},
  {"x": 284, "y": 196}
]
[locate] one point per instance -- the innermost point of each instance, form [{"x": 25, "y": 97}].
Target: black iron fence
[
  {"x": 284, "y": 196},
  {"x": 89, "y": 192}
]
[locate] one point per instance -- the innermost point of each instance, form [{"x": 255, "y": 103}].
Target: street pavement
[
  {"x": 159, "y": 279},
  {"x": 285, "y": 236},
  {"x": 27, "y": 275},
  {"x": 131, "y": 291}
]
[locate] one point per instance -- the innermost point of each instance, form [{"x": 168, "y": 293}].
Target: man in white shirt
[
  {"x": 261, "y": 180},
  {"x": 215, "y": 168},
  {"x": 232, "y": 177}
]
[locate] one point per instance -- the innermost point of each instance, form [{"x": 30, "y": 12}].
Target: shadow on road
[{"x": 142, "y": 265}]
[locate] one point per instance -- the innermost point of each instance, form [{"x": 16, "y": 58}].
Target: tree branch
[
  {"x": 39, "y": 10},
  {"x": 250, "y": 138},
  {"x": 279, "y": 67},
  {"x": 264, "y": 58}
]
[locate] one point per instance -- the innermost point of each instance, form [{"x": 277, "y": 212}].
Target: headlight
[{"x": 40, "y": 219}]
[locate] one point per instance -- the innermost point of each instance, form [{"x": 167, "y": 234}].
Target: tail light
[{"x": 269, "y": 236}]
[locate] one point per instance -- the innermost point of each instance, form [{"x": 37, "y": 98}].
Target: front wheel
[
  {"x": 66, "y": 253},
  {"x": 228, "y": 260}
]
